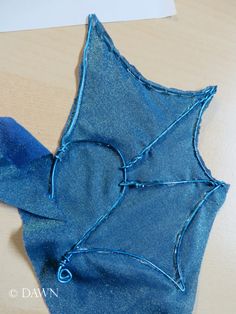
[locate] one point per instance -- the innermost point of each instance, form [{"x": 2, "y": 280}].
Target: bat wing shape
[{"x": 138, "y": 198}]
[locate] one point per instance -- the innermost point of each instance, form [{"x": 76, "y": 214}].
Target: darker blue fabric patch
[{"x": 117, "y": 220}]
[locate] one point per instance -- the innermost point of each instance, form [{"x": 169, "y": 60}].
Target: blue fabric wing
[
  {"x": 129, "y": 178},
  {"x": 144, "y": 194},
  {"x": 116, "y": 104}
]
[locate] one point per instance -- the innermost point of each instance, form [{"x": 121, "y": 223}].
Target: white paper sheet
[{"x": 31, "y": 14}]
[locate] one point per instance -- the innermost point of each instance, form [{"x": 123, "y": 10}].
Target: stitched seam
[
  {"x": 103, "y": 34},
  {"x": 152, "y": 143},
  {"x": 180, "y": 235},
  {"x": 139, "y": 258},
  {"x": 154, "y": 183},
  {"x": 63, "y": 149},
  {"x": 195, "y": 145},
  {"x": 177, "y": 280},
  {"x": 83, "y": 68}
]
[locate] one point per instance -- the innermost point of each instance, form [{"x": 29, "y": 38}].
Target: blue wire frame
[{"x": 63, "y": 273}]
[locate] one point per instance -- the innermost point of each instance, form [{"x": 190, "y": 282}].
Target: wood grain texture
[{"x": 195, "y": 48}]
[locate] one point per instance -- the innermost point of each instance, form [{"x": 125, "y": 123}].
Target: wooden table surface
[{"x": 195, "y": 48}]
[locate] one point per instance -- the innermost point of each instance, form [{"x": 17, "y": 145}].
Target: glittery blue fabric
[{"x": 117, "y": 220}]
